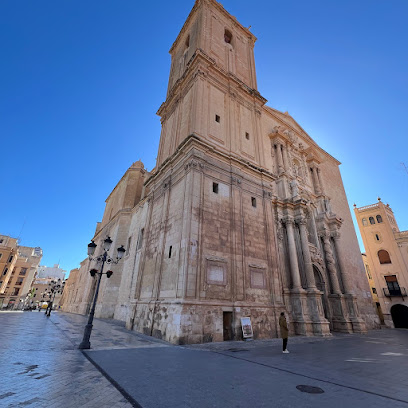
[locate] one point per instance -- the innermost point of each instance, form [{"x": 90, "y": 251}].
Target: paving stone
[{"x": 44, "y": 367}]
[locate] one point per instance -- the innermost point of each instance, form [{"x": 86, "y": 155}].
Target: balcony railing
[{"x": 401, "y": 292}]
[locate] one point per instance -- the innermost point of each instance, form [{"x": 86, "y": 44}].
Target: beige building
[
  {"x": 18, "y": 266},
  {"x": 244, "y": 214},
  {"x": 387, "y": 261}
]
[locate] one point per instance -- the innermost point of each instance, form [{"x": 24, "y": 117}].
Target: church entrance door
[{"x": 399, "y": 314}]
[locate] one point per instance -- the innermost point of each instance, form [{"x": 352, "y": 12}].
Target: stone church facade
[{"x": 243, "y": 215}]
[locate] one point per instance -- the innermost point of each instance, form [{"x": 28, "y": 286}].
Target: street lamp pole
[
  {"x": 54, "y": 287},
  {"x": 102, "y": 259}
]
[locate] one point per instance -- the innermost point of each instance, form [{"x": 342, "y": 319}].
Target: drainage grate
[
  {"x": 237, "y": 350},
  {"x": 309, "y": 389}
]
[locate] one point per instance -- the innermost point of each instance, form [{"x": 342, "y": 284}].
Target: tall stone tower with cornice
[{"x": 244, "y": 214}]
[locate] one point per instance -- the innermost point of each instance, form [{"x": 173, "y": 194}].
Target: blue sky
[{"x": 81, "y": 81}]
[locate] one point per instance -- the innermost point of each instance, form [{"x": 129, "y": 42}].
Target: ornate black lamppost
[
  {"x": 54, "y": 287},
  {"x": 101, "y": 259}
]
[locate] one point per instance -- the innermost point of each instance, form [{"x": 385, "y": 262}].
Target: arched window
[
  {"x": 384, "y": 257},
  {"x": 372, "y": 220},
  {"x": 379, "y": 218},
  {"x": 227, "y": 36},
  {"x": 364, "y": 221}
]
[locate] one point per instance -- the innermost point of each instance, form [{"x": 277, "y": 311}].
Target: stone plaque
[
  {"x": 257, "y": 278},
  {"x": 216, "y": 272}
]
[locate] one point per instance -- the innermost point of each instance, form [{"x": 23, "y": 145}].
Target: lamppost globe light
[
  {"x": 107, "y": 244},
  {"x": 85, "y": 343},
  {"x": 91, "y": 248},
  {"x": 121, "y": 252}
]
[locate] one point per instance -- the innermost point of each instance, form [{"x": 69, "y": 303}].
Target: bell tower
[{"x": 212, "y": 89}]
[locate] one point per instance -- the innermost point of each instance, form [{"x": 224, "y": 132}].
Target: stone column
[
  {"x": 279, "y": 157},
  {"x": 311, "y": 283},
  {"x": 294, "y": 266},
  {"x": 330, "y": 263},
  {"x": 316, "y": 181},
  {"x": 319, "y": 180},
  {"x": 340, "y": 257},
  {"x": 286, "y": 162}
]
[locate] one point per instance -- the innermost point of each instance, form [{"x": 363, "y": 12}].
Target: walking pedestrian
[{"x": 284, "y": 332}]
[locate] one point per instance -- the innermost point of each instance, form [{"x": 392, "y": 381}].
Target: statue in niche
[
  {"x": 297, "y": 172},
  {"x": 295, "y": 188}
]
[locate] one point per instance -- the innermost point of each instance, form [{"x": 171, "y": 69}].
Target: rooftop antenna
[
  {"x": 405, "y": 167},
  {"x": 21, "y": 231}
]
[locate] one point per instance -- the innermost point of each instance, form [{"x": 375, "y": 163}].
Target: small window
[
  {"x": 364, "y": 221},
  {"x": 384, "y": 257},
  {"x": 187, "y": 43},
  {"x": 377, "y": 237},
  {"x": 374, "y": 290},
  {"x": 253, "y": 201},
  {"x": 379, "y": 219},
  {"x": 246, "y": 135},
  {"x": 5, "y": 271},
  {"x": 23, "y": 271},
  {"x": 1, "y": 255},
  {"x": 227, "y": 36},
  {"x": 170, "y": 251},
  {"x": 11, "y": 258},
  {"x": 140, "y": 241},
  {"x": 215, "y": 188},
  {"x": 1, "y": 241},
  {"x": 372, "y": 220},
  {"x": 217, "y": 118}
]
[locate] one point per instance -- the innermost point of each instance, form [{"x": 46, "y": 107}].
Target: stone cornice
[
  {"x": 276, "y": 115},
  {"x": 198, "y": 55},
  {"x": 194, "y": 139}
]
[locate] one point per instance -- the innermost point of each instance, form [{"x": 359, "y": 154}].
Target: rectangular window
[
  {"x": 19, "y": 281},
  {"x": 253, "y": 201},
  {"x": 16, "y": 291},
  {"x": 11, "y": 258},
  {"x": 1, "y": 255},
  {"x": 246, "y": 135},
  {"x": 5, "y": 271},
  {"x": 23, "y": 271},
  {"x": 215, "y": 188},
  {"x": 170, "y": 251},
  {"x": 374, "y": 290},
  {"x": 392, "y": 285},
  {"x": 217, "y": 118}
]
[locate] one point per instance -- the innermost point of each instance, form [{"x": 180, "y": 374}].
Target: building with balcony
[
  {"x": 18, "y": 267},
  {"x": 386, "y": 261}
]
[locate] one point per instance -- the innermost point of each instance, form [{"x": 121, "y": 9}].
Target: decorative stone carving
[
  {"x": 316, "y": 256},
  {"x": 193, "y": 164},
  {"x": 295, "y": 189}
]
